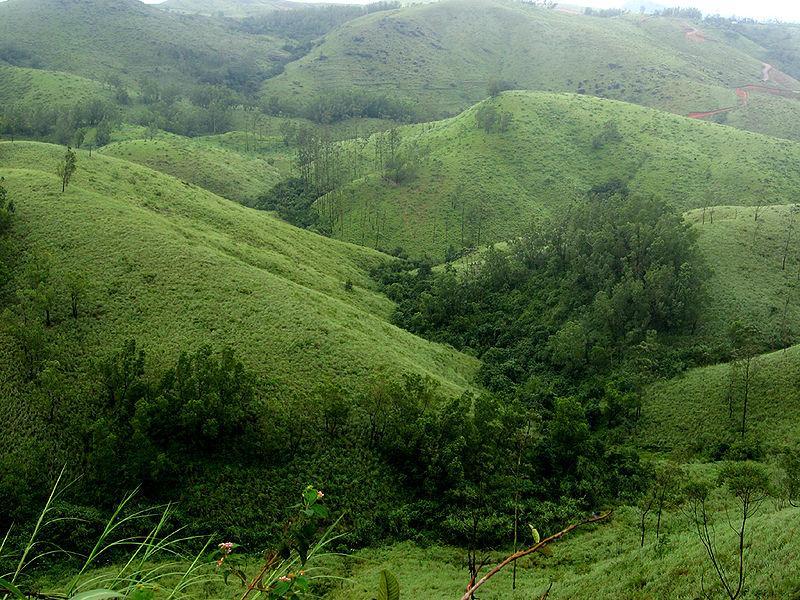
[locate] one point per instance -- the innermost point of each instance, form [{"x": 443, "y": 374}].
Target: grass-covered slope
[
  {"x": 690, "y": 415},
  {"x": 177, "y": 267},
  {"x": 443, "y": 55},
  {"x": 495, "y": 183},
  {"x": 128, "y": 40},
  {"x": 227, "y": 8},
  {"x": 226, "y": 172},
  {"x": 751, "y": 281},
  {"x": 693, "y": 413},
  {"x": 36, "y": 89},
  {"x": 605, "y": 563}
]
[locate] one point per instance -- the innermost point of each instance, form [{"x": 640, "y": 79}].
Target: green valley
[{"x": 453, "y": 299}]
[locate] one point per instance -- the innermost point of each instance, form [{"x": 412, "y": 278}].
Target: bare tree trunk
[{"x": 746, "y": 395}]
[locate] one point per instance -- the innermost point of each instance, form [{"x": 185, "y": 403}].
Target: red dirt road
[
  {"x": 709, "y": 113},
  {"x": 768, "y": 73}
]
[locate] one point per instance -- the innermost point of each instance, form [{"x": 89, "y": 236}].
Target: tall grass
[
  {"x": 156, "y": 560},
  {"x": 157, "y": 564}
]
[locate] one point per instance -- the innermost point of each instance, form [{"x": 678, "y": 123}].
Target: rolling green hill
[
  {"x": 130, "y": 40},
  {"x": 443, "y": 55},
  {"x": 234, "y": 175},
  {"x": 750, "y": 281},
  {"x": 36, "y": 89},
  {"x": 690, "y": 414},
  {"x": 553, "y": 152},
  {"x": 177, "y": 267}
]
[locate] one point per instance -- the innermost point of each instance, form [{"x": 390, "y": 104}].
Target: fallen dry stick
[{"x": 522, "y": 553}]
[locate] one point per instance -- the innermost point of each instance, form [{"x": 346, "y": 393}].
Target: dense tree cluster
[
  {"x": 493, "y": 120},
  {"x": 573, "y": 297},
  {"x": 348, "y": 104},
  {"x": 402, "y": 458},
  {"x": 87, "y": 122}
]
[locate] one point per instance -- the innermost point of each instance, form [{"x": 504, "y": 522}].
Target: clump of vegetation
[
  {"x": 577, "y": 295},
  {"x": 492, "y": 120}
]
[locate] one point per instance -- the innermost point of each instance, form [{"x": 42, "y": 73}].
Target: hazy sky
[{"x": 787, "y": 10}]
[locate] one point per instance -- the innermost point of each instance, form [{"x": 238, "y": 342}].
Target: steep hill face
[
  {"x": 475, "y": 187},
  {"x": 443, "y": 55},
  {"x": 177, "y": 267},
  {"x": 754, "y": 253},
  {"x": 700, "y": 412},
  {"x": 37, "y": 89},
  {"x": 127, "y": 39}
]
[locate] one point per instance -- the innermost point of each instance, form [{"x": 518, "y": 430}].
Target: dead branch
[{"x": 535, "y": 548}]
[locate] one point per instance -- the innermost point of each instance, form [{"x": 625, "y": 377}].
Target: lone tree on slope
[{"x": 66, "y": 169}]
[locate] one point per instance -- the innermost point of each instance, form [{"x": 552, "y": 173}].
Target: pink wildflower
[
  {"x": 319, "y": 494},
  {"x": 226, "y": 547}
]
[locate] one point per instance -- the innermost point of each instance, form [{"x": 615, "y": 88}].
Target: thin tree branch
[{"x": 522, "y": 553}]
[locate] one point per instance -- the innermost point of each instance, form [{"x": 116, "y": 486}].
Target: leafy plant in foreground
[
  {"x": 155, "y": 563},
  {"x": 284, "y": 572}
]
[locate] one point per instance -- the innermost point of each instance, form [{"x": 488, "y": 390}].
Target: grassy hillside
[
  {"x": 129, "y": 40},
  {"x": 176, "y": 267},
  {"x": 689, "y": 415},
  {"x": 234, "y": 175},
  {"x": 750, "y": 281},
  {"x": 38, "y": 89},
  {"x": 604, "y": 563},
  {"x": 553, "y": 152},
  {"x": 443, "y": 55}
]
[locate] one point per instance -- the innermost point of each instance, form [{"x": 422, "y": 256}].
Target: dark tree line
[{"x": 66, "y": 125}]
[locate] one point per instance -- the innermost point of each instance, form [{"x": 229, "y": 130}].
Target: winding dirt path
[{"x": 768, "y": 73}]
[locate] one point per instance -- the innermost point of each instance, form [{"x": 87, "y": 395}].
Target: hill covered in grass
[
  {"x": 755, "y": 280},
  {"x": 755, "y": 269},
  {"x": 234, "y": 175},
  {"x": 227, "y": 8},
  {"x": 473, "y": 186},
  {"x": 175, "y": 267},
  {"x": 37, "y": 89},
  {"x": 443, "y": 55},
  {"x": 691, "y": 414},
  {"x": 130, "y": 41}
]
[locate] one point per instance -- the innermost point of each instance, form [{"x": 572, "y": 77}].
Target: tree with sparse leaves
[
  {"x": 749, "y": 484},
  {"x": 67, "y": 167}
]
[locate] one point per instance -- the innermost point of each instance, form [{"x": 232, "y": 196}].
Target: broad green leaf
[
  {"x": 11, "y": 588},
  {"x": 98, "y": 594},
  {"x": 310, "y": 496},
  {"x": 389, "y": 587}
]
